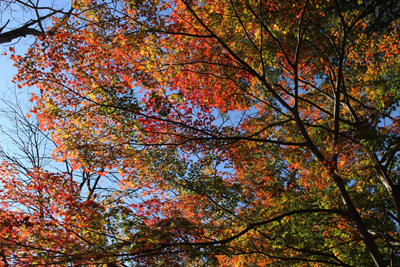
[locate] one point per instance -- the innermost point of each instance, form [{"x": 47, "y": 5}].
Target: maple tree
[
  {"x": 256, "y": 132},
  {"x": 40, "y": 208}
]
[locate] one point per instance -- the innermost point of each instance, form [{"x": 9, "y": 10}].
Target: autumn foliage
[{"x": 244, "y": 133}]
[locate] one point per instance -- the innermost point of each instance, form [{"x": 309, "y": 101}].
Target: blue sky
[{"x": 14, "y": 16}]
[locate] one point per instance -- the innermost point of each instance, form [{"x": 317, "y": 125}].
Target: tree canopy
[{"x": 244, "y": 133}]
